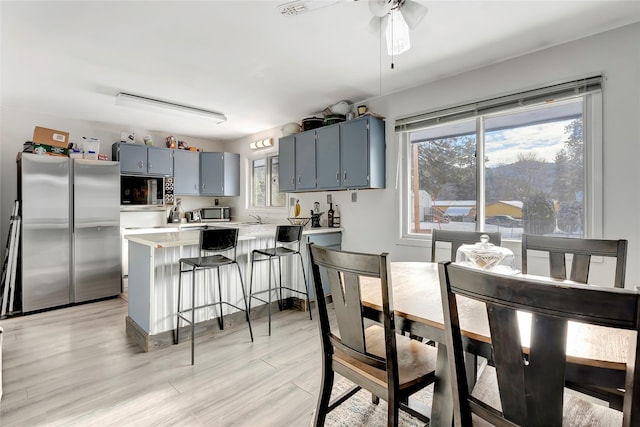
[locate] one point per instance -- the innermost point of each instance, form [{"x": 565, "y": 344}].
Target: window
[
  {"x": 265, "y": 183},
  {"x": 515, "y": 167}
]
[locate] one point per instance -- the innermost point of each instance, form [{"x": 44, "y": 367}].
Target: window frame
[
  {"x": 593, "y": 169},
  {"x": 268, "y": 158}
]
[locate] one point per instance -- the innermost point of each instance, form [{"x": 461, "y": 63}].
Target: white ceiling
[{"x": 245, "y": 59}]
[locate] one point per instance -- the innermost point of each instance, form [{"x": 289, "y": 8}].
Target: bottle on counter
[
  {"x": 330, "y": 215},
  {"x": 336, "y": 217}
]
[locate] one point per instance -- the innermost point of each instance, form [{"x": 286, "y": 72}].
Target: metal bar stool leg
[
  {"x": 220, "y": 319},
  {"x": 244, "y": 297},
  {"x": 306, "y": 287},
  {"x": 269, "y": 303},
  {"x": 250, "y": 284},
  {"x": 193, "y": 314},
  {"x": 176, "y": 335},
  {"x": 280, "y": 302}
]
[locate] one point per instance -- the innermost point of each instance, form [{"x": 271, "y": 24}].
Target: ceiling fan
[{"x": 396, "y": 17}]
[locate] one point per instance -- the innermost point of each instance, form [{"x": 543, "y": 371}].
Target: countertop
[{"x": 183, "y": 236}]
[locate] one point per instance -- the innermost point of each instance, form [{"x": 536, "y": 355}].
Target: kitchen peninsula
[{"x": 154, "y": 272}]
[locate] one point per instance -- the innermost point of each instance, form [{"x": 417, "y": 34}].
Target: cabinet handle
[
  {"x": 149, "y": 165},
  {"x": 338, "y": 176},
  {"x": 293, "y": 180},
  {"x": 141, "y": 164},
  {"x": 345, "y": 175},
  {"x": 299, "y": 179}
]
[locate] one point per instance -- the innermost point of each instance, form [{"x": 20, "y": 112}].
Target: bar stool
[
  {"x": 285, "y": 235},
  {"x": 218, "y": 241}
]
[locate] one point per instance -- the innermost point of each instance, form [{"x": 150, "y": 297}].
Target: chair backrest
[
  {"x": 582, "y": 251},
  {"x": 289, "y": 234},
  {"x": 218, "y": 239},
  {"x": 344, "y": 270},
  {"x": 531, "y": 388},
  {"x": 459, "y": 238}
]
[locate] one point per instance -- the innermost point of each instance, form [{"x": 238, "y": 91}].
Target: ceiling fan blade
[
  {"x": 380, "y": 8},
  {"x": 376, "y": 24},
  {"x": 413, "y": 13}
]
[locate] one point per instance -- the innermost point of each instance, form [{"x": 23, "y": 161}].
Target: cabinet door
[
  {"x": 287, "y": 163},
  {"x": 160, "y": 161},
  {"x": 354, "y": 153},
  {"x": 328, "y": 157},
  {"x": 211, "y": 174},
  {"x": 231, "y": 185},
  {"x": 132, "y": 158},
  {"x": 306, "y": 161},
  {"x": 186, "y": 172}
]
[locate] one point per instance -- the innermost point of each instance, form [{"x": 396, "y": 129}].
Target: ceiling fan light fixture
[
  {"x": 413, "y": 13},
  {"x": 397, "y": 34}
]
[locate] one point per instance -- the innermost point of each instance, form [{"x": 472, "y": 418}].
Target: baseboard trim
[{"x": 149, "y": 343}]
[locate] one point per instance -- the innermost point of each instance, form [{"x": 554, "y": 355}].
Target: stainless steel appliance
[
  {"x": 70, "y": 249},
  {"x": 142, "y": 190},
  {"x": 215, "y": 213}
]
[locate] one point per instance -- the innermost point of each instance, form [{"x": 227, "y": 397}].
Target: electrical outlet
[
  {"x": 328, "y": 198},
  {"x": 292, "y": 201},
  {"x": 354, "y": 197}
]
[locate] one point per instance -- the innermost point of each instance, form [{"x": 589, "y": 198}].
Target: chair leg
[
  {"x": 322, "y": 407},
  {"x": 306, "y": 287},
  {"x": 176, "y": 335},
  {"x": 220, "y": 319},
  {"x": 193, "y": 314},
  {"x": 250, "y": 286},
  {"x": 244, "y": 297},
  {"x": 393, "y": 412},
  {"x": 269, "y": 303},
  {"x": 280, "y": 303}
]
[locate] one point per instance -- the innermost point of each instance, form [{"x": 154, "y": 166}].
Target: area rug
[{"x": 358, "y": 410}]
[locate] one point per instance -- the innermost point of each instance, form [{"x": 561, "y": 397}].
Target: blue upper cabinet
[
  {"x": 186, "y": 173},
  {"x": 348, "y": 155},
  {"x": 362, "y": 153},
  {"x": 287, "y": 163},
  {"x": 306, "y": 161},
  {"x": 160, "y": 161},
  {"x": 219, "y": 174},
  {"x": 143, "y": 160},
  {"x": 328, "y": 157}
]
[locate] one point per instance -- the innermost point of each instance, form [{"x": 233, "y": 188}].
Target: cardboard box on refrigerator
[{"x": 56, "y": 138}]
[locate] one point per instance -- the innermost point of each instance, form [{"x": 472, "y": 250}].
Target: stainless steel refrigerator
[{"x": 70, "y": 248}]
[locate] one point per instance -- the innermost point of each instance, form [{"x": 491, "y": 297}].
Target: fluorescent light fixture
[{"x": 144, "y": 102}]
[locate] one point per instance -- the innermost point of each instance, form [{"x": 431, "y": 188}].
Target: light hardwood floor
[{"x": 76, "y": 367}]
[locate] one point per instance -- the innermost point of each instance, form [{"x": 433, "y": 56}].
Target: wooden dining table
[{"x": 596, "y": 355}]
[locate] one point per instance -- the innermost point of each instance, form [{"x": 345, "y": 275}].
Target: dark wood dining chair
[
  {"x": 526, "y": 387},
  {"x": 582, "y": 251},
  {"x": 459, "y": 238},
  {"x": 372, "y": 356}
]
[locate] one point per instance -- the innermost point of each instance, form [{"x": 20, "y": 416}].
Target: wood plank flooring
[{"x": 76, "y": 367}]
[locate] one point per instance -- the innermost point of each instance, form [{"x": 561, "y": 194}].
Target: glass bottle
[
  {"x": 330, "y": 215},
  {"x": 336, "y": 217}
]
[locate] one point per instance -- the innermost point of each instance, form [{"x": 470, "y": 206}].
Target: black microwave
[
  {"x": 215, "y": 213},
  {"x": 141, "y": 190}
]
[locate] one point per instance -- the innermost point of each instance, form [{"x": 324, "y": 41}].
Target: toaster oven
[{"x": 215, "y": 213}]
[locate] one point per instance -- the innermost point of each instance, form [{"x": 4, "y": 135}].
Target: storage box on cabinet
[
  {"x": 344, "y": 156},
  {"x": 140, "y": 159}
]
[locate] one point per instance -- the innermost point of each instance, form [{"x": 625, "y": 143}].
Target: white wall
[{"x": 372, "y": 223}]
